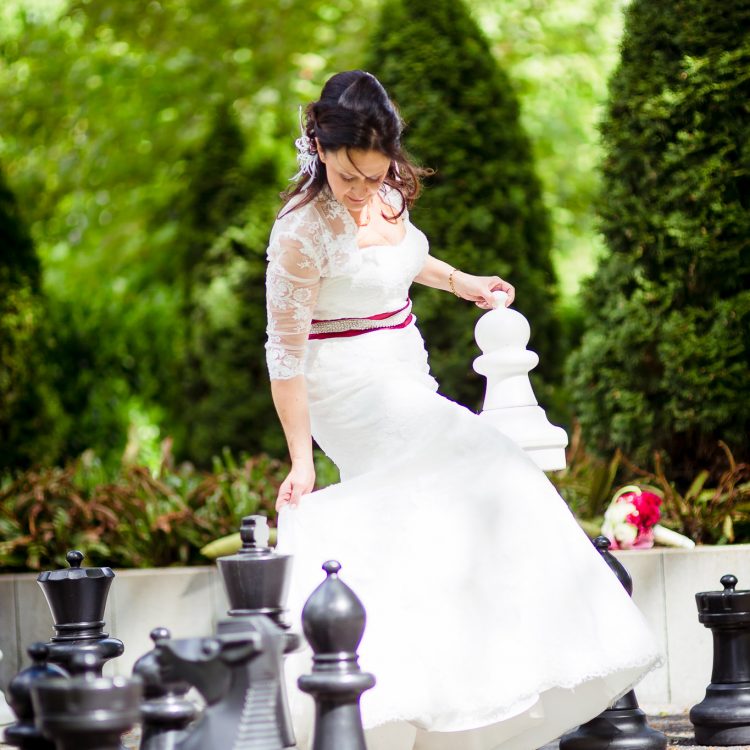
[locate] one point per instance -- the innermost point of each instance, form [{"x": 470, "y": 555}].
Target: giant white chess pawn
[{"x": 509, "y": 403}]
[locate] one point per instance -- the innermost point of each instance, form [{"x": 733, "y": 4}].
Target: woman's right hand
[{"x": 299, "y": 481}]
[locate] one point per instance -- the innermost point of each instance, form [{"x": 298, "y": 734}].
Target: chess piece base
[
  {"x": 723, "y": 716},
  {"x": 27, "y": 737},
  {"x": 622, "y": 727}
]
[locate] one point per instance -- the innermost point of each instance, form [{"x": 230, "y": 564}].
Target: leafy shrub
[
  {"x": 664, "y": 364},
  {"x": 587, "y": 481},
  {"x": 136, "y": 516},
  {"x": 717, "y": 514},
  {"x": 134, "y": 519},
  {"x": 482, "y": 210},
  {"x": 110, "y": 361},
  {"x": 709, "y": 511}
]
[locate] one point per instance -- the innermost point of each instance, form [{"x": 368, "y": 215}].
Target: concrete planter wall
[
  {"x": 665, "y": 582},
  {"x": 190, "y": 600}
]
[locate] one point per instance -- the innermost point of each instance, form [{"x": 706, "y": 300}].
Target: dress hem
[{"x": 506, "y": 712}]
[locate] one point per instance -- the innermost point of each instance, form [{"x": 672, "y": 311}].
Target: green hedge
[{"x": 664, "y": 364}]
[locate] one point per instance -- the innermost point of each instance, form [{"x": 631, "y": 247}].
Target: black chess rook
[{"x": 723, "y": 716}]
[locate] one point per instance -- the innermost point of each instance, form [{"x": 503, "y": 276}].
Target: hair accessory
[{"x": 307, "y": 157}]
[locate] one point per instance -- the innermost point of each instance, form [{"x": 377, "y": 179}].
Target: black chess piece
[
  {"x": 165, "y": 712},
  {"x": 218, "y": 668},
  {"x": 239, "y": 671},
  {"x": 77, "y": 597},
  {"x": 624, "y": 725},
  {"x": 723, "y": 716},
  {"x": 256, "y": 581},
  {"x": 333, "y": 620},
  {"x": 24, "y": 733},
  {"x": 86, "y": 712}
]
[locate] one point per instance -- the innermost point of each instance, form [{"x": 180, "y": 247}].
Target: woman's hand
[
  {"x": 299, "y": 481},
  {"x": 478, "y": 289}
]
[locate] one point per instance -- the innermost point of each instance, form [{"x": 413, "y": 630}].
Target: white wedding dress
[{"x": 492, "y": 621}]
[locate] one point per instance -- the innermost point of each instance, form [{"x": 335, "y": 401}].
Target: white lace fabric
[{"x": 314, "y": 271}]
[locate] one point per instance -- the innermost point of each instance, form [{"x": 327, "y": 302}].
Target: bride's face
[{"x": 354, "y": 177}]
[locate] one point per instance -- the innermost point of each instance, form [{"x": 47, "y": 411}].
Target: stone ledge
[
  {"x": 187, "y": 600},
  {"x": 665, "y": 582}
]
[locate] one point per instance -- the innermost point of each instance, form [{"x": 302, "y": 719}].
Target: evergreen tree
[
  {"x": 228, "y": 213},
  {"x": 216, "y": 190},
  {"x": 482, "y": 211},
  {"x": 25, "y": 431},
  {"x": 234, "y": 406},
  {"x": 664, "y": 364},
  {"x": 19, "y": 265}
]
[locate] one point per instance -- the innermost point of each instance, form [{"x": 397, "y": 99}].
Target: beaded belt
[{"x": 329, "y": 329}]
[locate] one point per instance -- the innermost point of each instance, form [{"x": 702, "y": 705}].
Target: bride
[{"x": 491, "y": 619}]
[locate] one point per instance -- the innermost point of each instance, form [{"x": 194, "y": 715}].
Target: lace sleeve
[{"x": 292, "y": 283}]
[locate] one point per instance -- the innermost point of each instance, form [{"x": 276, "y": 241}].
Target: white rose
[
  {"x": 626, "y": 533},
  {"x": 618, "y": 512},
  {"x": 616, "y": 526}
]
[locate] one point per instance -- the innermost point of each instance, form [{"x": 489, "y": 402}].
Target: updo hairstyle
[{"x": 355, "y": 112}]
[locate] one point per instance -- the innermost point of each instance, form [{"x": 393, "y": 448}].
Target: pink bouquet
[{"x": 631, "y": 518}]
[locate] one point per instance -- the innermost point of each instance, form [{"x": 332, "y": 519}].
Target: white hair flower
[{"x": 307, "y": 157}]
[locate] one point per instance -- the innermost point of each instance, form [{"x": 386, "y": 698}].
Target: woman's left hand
[{"x": 478, "y": 289}]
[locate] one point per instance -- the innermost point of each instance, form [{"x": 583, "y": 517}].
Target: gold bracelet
[{"x": 451, "y": 284}]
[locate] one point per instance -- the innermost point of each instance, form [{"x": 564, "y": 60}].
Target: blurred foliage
[
  {"x": 19, "y": 263},
  {"x": 587, "y": 482},
  {"x": 137, "y": 519},
  {"x": 664, "y": 362},
  {"x": 146, "y": 145},
  {"x": 707, "y": 512},
  {"x": 28, "y": 407},
  {"x": 107, "y": 112},
  {"x": 559, "y": 56},
  {"x": 230, "y": 403},
  {"x": 482, "y": 210},
  {"x": 135, "y": 90},
  {"x": 136, "y": 516},
  {"x": 220, "y": 392}
]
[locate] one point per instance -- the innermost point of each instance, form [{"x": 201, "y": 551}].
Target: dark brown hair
[{"x": 355, "y": 112}]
